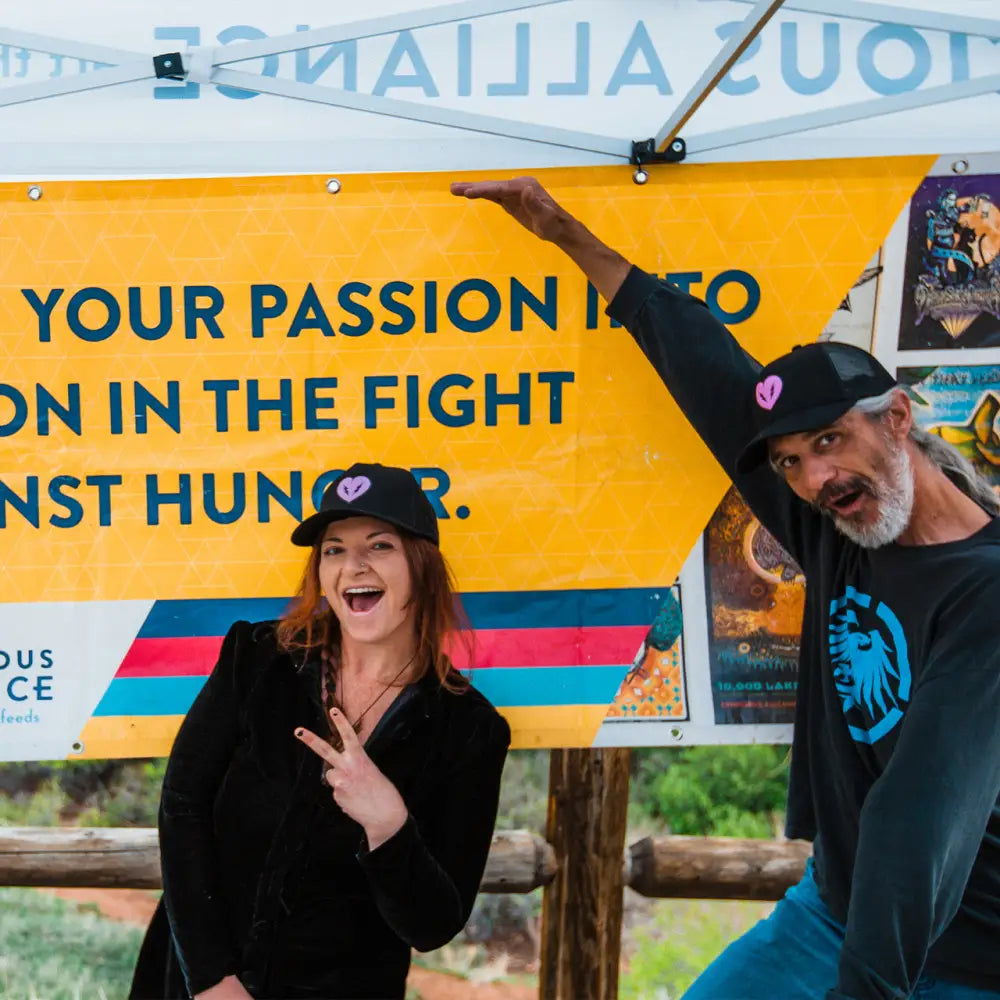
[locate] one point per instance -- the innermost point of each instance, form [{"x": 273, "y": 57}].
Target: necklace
[{"x": 331, "y": 701}]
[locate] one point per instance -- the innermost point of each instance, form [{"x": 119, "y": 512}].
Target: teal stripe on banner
[
  {"x": 149, "y": 696},
  {"x": 521, "y": 687},
  {"x": 513, "y": 686}
]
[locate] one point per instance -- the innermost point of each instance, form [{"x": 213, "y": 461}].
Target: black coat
[{"x": 265, "y": 877}]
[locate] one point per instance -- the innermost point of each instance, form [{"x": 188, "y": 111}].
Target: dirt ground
[{"x": 137, "y": 905}]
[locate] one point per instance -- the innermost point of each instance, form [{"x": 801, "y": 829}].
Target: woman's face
[{"x": 365, "y": 578}]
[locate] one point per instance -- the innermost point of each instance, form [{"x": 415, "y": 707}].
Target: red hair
[{"x": 440, "y": 619}]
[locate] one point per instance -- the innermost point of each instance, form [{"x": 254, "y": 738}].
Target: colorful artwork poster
[
  {"x": 951, "y": 286},
  {"x": 961, "y": 403},
  {"x": 655, "y": 688},
  {"x": 854, "y": 318},
  {"x": 755, "y": 596}
]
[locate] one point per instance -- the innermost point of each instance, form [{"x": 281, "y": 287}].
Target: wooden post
[{"x": 582, "y": 907}]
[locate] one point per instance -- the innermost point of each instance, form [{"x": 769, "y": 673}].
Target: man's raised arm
[
  {"x": 709, "y": 375},
  {"x": 528, "y": 202}
]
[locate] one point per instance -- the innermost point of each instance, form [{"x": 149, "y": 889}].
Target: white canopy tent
[{"x": 488, "y": 84}]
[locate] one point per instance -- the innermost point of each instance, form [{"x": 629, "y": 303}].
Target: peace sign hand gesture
[{"x": 359, "y": 787}]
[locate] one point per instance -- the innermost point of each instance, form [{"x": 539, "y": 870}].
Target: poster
[
  {"x": 757, "y": 594},
  {"x": 961, "y": 404},
  {"x": 951, "y": 285},
  {"x": 655, "y": 687}
]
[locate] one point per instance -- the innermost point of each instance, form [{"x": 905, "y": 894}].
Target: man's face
[{"x": 856, "y": 471}]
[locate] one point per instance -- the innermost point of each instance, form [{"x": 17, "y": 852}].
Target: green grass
[
  {"x": 680, "y": 942},
  {"x": 56, "y": 950}
]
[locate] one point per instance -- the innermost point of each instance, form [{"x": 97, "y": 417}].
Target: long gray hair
[{"x": 944, "y": 455}]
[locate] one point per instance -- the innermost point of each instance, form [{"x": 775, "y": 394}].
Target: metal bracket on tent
[
  {"x": 645, "y": 151},
  {"x": 169, "y": 66}
]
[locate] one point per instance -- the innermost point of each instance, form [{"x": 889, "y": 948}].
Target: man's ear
[{"x": 899, "y": 416}]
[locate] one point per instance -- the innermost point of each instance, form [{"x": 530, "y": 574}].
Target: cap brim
[
  {"x": 312, "y": 527},
  {"x": 755, "y": 453}
]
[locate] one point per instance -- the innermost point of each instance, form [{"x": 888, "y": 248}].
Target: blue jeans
[{"x": 793, "y": 955}]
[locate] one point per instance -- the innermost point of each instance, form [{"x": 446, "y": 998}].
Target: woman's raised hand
[{"x": 359, "y": 787}]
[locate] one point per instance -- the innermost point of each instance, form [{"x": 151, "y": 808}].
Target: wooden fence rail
[{"x": 519, "y": 861}]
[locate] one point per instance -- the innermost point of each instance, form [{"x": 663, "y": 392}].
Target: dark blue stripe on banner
[
  {"x": 503, "y": 609},
  {"x": 178, "y": 619}
]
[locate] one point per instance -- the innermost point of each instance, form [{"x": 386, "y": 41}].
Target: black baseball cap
[
  {"x": 808, "y": 388},
  {"x": 371, "y": 490}
]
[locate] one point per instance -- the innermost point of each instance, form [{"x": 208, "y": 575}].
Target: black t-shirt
[{"x": 896, "y": 755}]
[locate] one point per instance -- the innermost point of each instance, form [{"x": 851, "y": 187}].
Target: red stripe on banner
[
  {"x": 529, "y": 647},
  {"x": 555, "y": 647},
  {"x": 171, "y": 657}
]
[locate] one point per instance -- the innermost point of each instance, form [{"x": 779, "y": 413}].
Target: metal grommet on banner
[
  {"x": 333, "y": 186},
  {"x": 640, "y": 176},
  {"x": 676, "y": 734},
  {"x": 960, "y": 166},
  {"x": 77, "y": 747},
  {"x": 34, "y": 191}
]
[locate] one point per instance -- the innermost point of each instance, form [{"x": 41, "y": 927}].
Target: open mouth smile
[
  {"x": 848, "y": 504},
  {"x": 362, "y": 600},
  {"x": 844, "y": 503}
]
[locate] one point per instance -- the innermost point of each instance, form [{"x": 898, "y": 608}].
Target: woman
[{"x": 330, "y": 798}]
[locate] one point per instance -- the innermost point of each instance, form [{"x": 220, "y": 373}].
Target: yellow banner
[{"x": 185, "y": 364}]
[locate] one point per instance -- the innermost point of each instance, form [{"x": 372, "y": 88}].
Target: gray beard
[{"x": 894, "y": 497}]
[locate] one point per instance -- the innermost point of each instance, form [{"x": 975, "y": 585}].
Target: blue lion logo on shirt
[{"x": 871, "y": 669}]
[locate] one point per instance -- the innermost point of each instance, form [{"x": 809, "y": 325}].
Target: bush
[
  {"x": 713, "y": 791},
  {"x": 524, "y": 791},
  {"x": 133, "y": 800},
  {"x": 87, "y": 793},
  {"x": 40, "y": 807}
]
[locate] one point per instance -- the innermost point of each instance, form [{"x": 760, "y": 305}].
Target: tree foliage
[{"x": 734, "y": 791}]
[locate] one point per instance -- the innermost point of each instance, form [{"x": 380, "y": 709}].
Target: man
[{"x": 896, "y": 755}]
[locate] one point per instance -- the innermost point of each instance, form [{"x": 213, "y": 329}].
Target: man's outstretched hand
[
  {"x": 528, "y": 202},
  {"x": 523, "y": 198}
]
